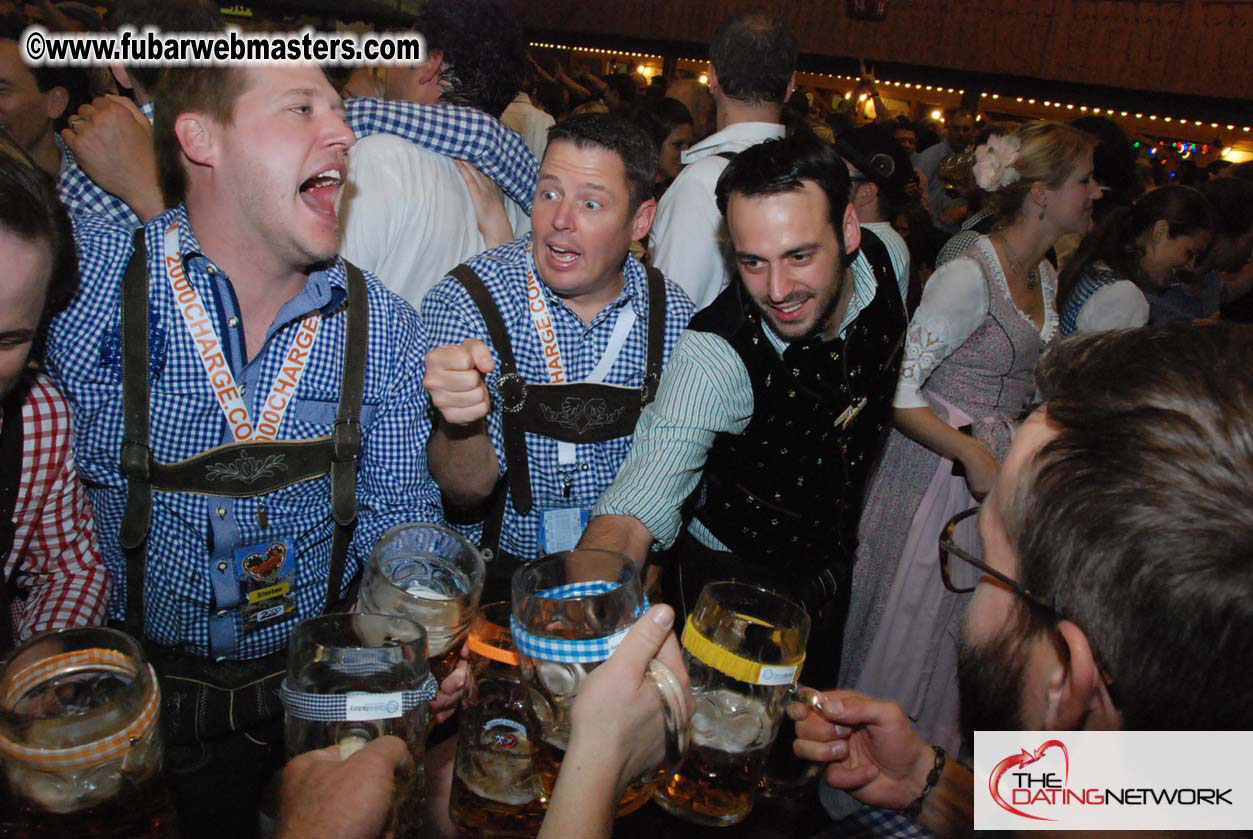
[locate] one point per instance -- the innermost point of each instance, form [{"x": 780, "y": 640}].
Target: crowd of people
[{"x": 707, "y": 326}]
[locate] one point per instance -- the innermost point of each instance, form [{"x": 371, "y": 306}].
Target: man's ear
[
  {"x": 791, "y": 88},
  {"x": 1161, "y": 231},
  {"x": 1076, "y": 696},
  {"x": 867, "y": 192},
  {"x": 198, "y": 138},
  {"x": 713, "y": 79},
  {"x": 643, "y": 220},
  {"x": 852, "y": 229},
  {"x": 430, "y": 69},
  {"x": 56, "y": 100},
  {"x": 122, "y": 77}
]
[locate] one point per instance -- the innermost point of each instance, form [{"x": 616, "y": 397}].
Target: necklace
[{"x": 1033, "y": 276}]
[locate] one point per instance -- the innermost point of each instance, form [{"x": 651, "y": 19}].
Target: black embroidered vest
[{"x": 785, "y": 495}]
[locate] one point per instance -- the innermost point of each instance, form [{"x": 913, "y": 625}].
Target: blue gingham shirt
[
  {"x": 451, "y": 317},
  {"x": 191, "y": 592},
  {"x": 465, "y": 133}
]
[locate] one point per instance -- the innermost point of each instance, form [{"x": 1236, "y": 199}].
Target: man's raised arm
[{"x": 462, "y": 133}]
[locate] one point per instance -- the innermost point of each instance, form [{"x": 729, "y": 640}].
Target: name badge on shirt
[
  {"x": 267, "y": 576},
  {"x": 561, "y": 528}
]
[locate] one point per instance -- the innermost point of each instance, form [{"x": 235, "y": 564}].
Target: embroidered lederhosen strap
[
  {"x": 559, "y": 411},
  {"x": 238, "y": 469},
  {"x": 10, "y": 484}
]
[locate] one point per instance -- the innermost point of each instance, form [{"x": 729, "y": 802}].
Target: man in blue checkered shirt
[
  {"x": 548, "y": 346},
  {"x": 249, "y": 340}
]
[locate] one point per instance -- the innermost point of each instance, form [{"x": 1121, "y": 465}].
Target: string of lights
[{"x": 931, "y": 88}]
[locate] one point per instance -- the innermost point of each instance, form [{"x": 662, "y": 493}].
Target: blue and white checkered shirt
[
  {"x": 465, "y": 133},
  {"x": 451, "y": 317},
  {"x": 191, "y": 592}
]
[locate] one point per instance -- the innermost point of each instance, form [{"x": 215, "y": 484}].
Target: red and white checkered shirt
[{"x": 58, "y": 571}]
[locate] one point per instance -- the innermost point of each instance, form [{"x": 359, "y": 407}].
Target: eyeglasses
[{"x": 949, "y": 548}]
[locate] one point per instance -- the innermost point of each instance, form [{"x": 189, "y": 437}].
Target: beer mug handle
[
  {"x": 674, "y": 707},
  {"x": 772, "y": 786}
]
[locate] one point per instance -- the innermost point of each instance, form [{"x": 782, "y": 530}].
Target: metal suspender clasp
[
  {"x": 136, "y": 461},
  {"x": 512, "y": 392},
  {"x": 345, "y": 440}
]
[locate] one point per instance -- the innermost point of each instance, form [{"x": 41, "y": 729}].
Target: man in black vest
[{"x": 755, "y": 454}]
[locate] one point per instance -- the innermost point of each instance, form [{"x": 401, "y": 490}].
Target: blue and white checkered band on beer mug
[
  {"x": 570, "y": 612},
  {"x": 352, "y": 678},
  {"x": 743, "y": 647}
]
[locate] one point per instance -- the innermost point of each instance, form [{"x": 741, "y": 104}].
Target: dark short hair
[
  {"x": 484, "y": 51},
  {"x": 75, "y": 80},
  {"x": 1232, "y": 200},
  {"x": 621, "y": 84},
  {"x": 1136, "y": 520},
  {"x": 31, "y": 210},
  {"x": 620, "y": 136},
  {"x": 777, "y": 166},
  {"x": 208, "y": 90},
  {"x": 551, "y": 96},
  {"x": 754, "y": 55},
  {"x": 168, "y": 16},
  {"x": 659, "y": 117}
]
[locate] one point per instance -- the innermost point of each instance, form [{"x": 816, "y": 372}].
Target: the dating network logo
[{"x": 1113, "y": 780}]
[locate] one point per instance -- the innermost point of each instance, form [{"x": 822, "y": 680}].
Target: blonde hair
[{"x": 1047, "y": 154}]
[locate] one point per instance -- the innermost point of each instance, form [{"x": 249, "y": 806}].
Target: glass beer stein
[
  {"x": 79, "y": 737},
  {"x": 352, "y": 678},
  {"x": 743, "y": 647},
  {"x": 495, "y": 791},
  {"x": 431, "y": 575},
  {"x": 570, "y": 612}
]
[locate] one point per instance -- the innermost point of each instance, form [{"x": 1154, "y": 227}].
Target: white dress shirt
[
  {"x": 407, "y": 215},
  {"x": 685, "y": 238},
  {"x": 530, "y": 122}
]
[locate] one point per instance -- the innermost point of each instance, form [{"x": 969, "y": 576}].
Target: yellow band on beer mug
[{"x": 737, "y": 666}]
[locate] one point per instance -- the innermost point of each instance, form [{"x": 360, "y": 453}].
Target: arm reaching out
[
  {"x": 875, "y": 754},
  {"x": 617, "y": 731}
]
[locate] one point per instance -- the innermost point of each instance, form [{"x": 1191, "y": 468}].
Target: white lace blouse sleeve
[
  {"x": 1119, "y": 305},
  {"x": 954, "y": 303}
]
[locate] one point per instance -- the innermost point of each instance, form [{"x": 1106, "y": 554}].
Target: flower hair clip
[{"x": 994, "y": 162}]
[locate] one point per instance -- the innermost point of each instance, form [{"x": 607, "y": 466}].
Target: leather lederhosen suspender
[
  {"x": 211, "y": 472},
  {"x": 578, "y": 412},
  {"x": 10, "y": 486}
]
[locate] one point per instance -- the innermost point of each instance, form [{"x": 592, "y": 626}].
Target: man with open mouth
[
  {"x": 547, "y": 347},
  {"x": 238, "y": 390}
]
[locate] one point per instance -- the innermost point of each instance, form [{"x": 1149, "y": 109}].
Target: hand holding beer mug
[
  {"x": 430, "y": 575},
  {"x": 79, "y": 737},
  {"x": 570, "y": 612},
  {"x": 353, "y": 678},
  {"x": 743, "y": 647}
]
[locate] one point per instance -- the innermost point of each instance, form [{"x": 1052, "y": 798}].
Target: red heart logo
[{"x": 1024, "y": 758}]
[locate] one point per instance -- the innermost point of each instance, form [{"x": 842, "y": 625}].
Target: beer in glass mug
[
  {"x": 431, "y": 575},
  {"x": 79, "y": 738},
  {"x": 743, "y": 647}
]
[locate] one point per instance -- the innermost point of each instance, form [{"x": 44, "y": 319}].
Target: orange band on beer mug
[
  {"x": 737, "y": 666},
  {"x": 481, "y": 644},
  {"x": 98, "y": 751}
]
